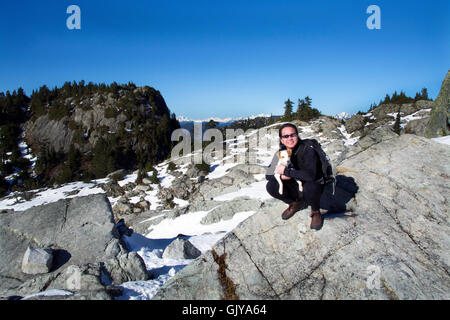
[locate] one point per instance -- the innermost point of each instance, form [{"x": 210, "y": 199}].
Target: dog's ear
[
  {"x": 289, "y": 152},
  {"x": 279, "y": 154}
]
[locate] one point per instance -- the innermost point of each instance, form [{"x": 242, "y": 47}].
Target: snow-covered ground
[
  {"x": 151, "y": 247},
  {"x": 444, "y": 140}
]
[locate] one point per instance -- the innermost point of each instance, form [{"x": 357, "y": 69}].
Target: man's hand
[{"x": 283, "y": 177}]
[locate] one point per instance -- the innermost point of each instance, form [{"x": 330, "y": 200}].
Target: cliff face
[
  {"x": 81, "y": 132},
  {"x": 439, "y": 124},
  {"x": 391, "y": 243},
  {"x": 87, "y": 118}
]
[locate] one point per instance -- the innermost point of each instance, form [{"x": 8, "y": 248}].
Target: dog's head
[{"x": 284, "y": 155}]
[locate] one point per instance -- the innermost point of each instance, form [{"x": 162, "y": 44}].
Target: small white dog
[{"x": 284, "y": 157}]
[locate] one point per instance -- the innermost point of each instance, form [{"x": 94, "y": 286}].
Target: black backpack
[{"x": 327, "y": 170}]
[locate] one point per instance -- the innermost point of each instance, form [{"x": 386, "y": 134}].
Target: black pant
[{"x": 312, "y": 191}]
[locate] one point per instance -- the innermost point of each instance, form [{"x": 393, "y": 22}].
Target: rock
[
  {"x": 226, "y": 180},
  {"x": 146, "y": 181},
  {"x": 112, "y": 189},
  {"x": 393, "y": 244},
  {"x": 240, "y": 176},
  {"x": 181, "y": 249},
  {"x": 227, "y": 209},
  {"x": 142, "y": 188},
  {"x": 56, "y": 133},
  {"x": 356, "y": 122},
  {"x": 80, "y": 232},
  {"x": 137, "y": 210},
  {"x": 126, "y": 266},
  {"x": 374, "y": 137},
  {"x": 424, "y": 104},
  {"x": 194, "y": 172},
  {"x": 37, "y": 260},
  {"x": 439, "y": 124},
  {"x": 328, "y": 127},
  {"x": 121, "y": 208},
  {"x": 182, "y": 188},
  {"x": 117, "y": 175},
  {"x": 417, "y": 126},
  {"x": 144, "y": 204},
  {"x": 410, "y": 108},
  {"x": 383, "y": 110}
]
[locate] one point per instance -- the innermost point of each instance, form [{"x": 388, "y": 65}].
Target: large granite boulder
[
  {"x": 439, "y": 124},
  {"x": 390, "y": 241},
  {"x": 85, "y": 244}
]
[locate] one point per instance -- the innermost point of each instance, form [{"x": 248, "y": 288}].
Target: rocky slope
[{"x": 399, "y": 225}]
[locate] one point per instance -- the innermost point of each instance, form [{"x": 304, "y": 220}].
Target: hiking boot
[
  {"x": 316, "y": 220},
  {"x": 292, "y": 209}
]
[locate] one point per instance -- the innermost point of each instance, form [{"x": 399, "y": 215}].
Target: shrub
[
  {"x": 203, "y": 167},
  {"x": 171, "y": 166}
]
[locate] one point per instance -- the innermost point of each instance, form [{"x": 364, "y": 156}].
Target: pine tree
[
  {"x": 397, "y": 128},
  {"x": 4, "y": 186},
  {"x": 288, "y": 104},
  {"x": 104, "y": 160},
  {"x": 301, "y": 104},
  {"x": 308, "y": 101},
  {"x": 424, "y": 94},
  {"x": 154, "y": 179},
  {"x": 211, "y": 124},
  {"x": 304, "y": 111}
]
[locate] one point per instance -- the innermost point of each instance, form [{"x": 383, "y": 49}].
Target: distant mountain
[
  {"x": 343, "y": 116},
  {"x": 221, "y": 120}
]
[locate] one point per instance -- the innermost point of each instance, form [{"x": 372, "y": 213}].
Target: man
[{"x": 304, "y": 166}]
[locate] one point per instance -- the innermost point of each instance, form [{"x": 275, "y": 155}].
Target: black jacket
[{"x": 304, "y": 166}]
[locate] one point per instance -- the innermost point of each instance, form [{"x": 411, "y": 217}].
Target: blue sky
[{"x": 231, "y": 58}]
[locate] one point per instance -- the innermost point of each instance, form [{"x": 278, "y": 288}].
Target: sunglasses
[{"x": 290, "y": 135}]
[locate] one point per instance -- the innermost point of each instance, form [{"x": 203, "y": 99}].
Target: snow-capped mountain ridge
[{"x": 229, "y": 119}]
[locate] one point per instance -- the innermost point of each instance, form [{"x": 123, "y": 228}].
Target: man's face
[{"x": 290, "y": 141}]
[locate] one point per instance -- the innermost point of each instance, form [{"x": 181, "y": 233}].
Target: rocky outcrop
[
  {"x": 360, "y": 125},
  {"x": 374, "y": 137},
  {"x": 439, "y": 124},
  {"x": 387, "y": 237},
  {"x": 96, "y": 115},
  {"x": 88, "y": 255}
]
